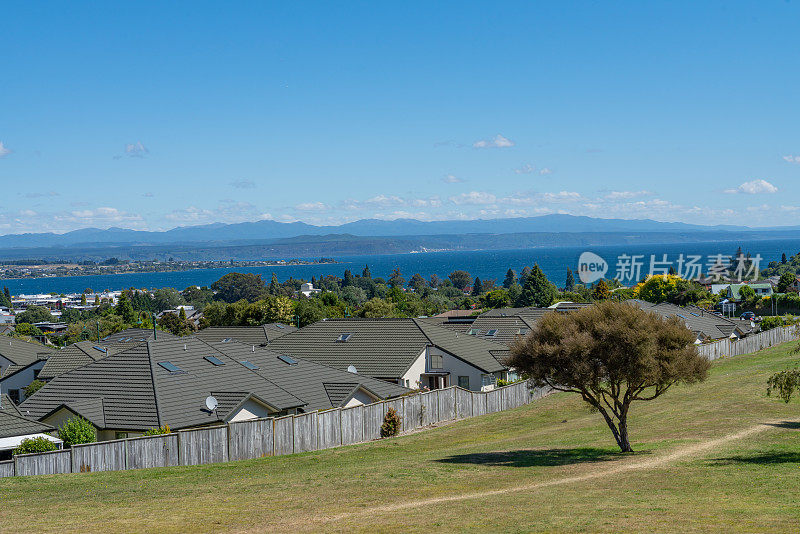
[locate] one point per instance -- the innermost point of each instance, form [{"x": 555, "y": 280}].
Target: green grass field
[{"x": 715, "y": 456}]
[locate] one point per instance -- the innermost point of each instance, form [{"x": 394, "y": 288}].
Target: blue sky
[{"x": 153, "y": 115}]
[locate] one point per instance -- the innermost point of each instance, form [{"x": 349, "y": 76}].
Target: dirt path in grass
[{"x": 622, "y": 467}]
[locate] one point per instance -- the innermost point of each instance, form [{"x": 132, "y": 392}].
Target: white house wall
[
  {"x": 412, "y": 376},
  {"x": 249, "y": 410},
  {"x": 21, "y": 379},
  {"x": 450, "y": 363},
  {"x": 360, "y": 397}
]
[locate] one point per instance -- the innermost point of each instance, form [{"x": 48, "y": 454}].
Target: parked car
[{"x": 748, "y": 316}]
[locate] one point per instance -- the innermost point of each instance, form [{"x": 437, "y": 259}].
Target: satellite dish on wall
[
  {"x": 211, "y": 403},
  {"x": 352, "y": 369}
]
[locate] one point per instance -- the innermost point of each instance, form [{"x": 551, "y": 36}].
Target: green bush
[
  {"x": 158, "y": 431},
  {"x": 33, "y": 387},
  {"x": 770, "y": 322},
  {"x": 76, "y": 431},
  {"x": 391, "y": 424},
  {"x": 32, "y": 445}
]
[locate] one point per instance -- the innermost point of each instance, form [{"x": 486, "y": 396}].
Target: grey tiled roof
[
  {"x": 77, "y": 355},
  {"x": 339, "y": 393},
  {"x": 22, "y": 353},
  {"x": 507, "y": 328},
  {"x": 8, "y": 406},
  {"x": 129, "y": 390},
  {"x": 706, "y": 324},
  {"x": 136, "y": 335},
  {"x": 13, "y": 424},
  {"x": 306, "y": 379},
  {"x": 528, "y": 313},
  {"x": 384, "y": 348},
  {"x": 253, "y": 335},
  {"x": 123, "y": 382}
]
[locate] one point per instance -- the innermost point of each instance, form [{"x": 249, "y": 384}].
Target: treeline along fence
[
  {"x": 749, "y": 344},
  {"x": 245, "y": 440}
]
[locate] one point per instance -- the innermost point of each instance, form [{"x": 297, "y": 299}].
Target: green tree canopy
[
  {"x": 612, "y": 354},
  {"x": 538, "y": 290},
  {"x": 460, "y": 279},
  {"x": 34, "y": 314},
  {"x": 510, "y": 279},
  {"x": 237, "y": 286}
]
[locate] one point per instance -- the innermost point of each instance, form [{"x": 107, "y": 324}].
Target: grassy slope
[{"x": 751, "y": 484}]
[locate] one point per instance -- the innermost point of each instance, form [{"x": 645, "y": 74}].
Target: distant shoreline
[{"x": 76, "y": 271}]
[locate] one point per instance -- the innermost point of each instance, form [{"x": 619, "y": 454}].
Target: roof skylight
[
  {"x": 287, "y": 359},
  {"x": 214, "y": 360},
  {"x": 171, "y": 367},
  {"x": 249, "y": 365}
]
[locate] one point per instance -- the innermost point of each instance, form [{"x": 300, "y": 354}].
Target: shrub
[
  {"x": 33, "y": 387},
  {"x": 391, "y": 424},
  {"x": 76, "y": 431},
  {"x": 32, "y": 445},
  {"x": 158, "y": 431},
  {"x": 768, "y": 323}
]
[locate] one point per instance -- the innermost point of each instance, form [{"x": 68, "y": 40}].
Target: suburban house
[
  {"x": 259, "y": 336},
  {"x": 15, "y": 427},
  {"x": 706, "y": 326},
  {"x": 503, "y": 325},
  {"x": 20, "y": 364},
  {"x": 761, "y": 289},
  {"x": 168, "y": 382},
  {"x": 307, "y": 289},
  {"x": 414, "y": 353}
]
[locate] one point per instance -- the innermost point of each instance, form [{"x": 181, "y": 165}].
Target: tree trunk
[{"x": 623, "y": 441}]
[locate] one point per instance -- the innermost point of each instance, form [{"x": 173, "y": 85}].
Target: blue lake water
[{"x": 485, "y": 264}]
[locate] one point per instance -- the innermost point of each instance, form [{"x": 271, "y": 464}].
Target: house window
[
  {"x": 474, "y": 331},
  {"x": 491, "y": 333},
  {"x": 36, "y": 373},
  {"x": 13, "y": 394},
  {"x": 487, "y": 380},
  {"x": 120, "y": 435},
  {"x": 463, "y": 382},
  {"x": 436, "y": 361}
]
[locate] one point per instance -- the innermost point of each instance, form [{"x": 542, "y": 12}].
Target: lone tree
[
  {"x": 786, "y": 382},
  {"x": 611, "y": 353}
]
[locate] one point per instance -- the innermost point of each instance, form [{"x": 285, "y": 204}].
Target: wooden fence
[
  {"x": 256, "y": 438},
  {"x": 746, "y": 345}
]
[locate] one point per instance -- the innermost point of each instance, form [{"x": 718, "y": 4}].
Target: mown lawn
[{"x": 750, "y": 484}]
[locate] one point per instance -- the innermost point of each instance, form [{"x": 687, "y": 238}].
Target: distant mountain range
[
  {"x": 271, "y": 239},
  {"x": 263, "y": 230}
]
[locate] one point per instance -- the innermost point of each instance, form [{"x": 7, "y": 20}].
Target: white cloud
[
  {"x": 243, "y": 184},
  {"x": 3, "y": 150},
  {"x": 619, "y": 195},
  {"x": 498, "y": 142},
  {"x": 311, "y": 206},
  {"x": 452, "y": 179},
  {"x": 545, "y": 171},
  {"x": 136, "y": 150},
  {"x": 790, "y": 159},
  {"x": 474, "y": 197},
  {"x": 754, "y": 187},
  {"x": 525, "y": 169}
]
